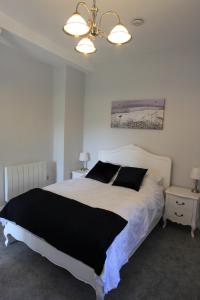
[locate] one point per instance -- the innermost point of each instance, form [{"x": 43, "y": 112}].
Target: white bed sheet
[{"x": 140, "y": 209}]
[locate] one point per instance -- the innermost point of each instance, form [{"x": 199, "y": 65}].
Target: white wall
[
  {"x": 174, "y": 75},
  {"x": 59, "y": 101},
  {"x": 41, "y": 114},
  {"x": 69, "y": 88},
  {"x": 75, "y": 87},
  {"x": 26, "y": 109}
]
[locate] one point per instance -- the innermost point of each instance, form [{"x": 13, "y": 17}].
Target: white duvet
[{"x": 141, "y": 209}]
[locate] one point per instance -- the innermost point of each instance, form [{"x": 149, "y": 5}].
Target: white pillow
[{"x": 155, "y": 176}]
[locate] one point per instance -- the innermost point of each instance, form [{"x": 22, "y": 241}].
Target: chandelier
[{"x": 77, "y": 26}]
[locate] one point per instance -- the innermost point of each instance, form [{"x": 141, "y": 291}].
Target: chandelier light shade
[
  {"x": 77, "y": 26},
  {"x": 86, "y": 46},
  {"x": 119, "y": 35}
]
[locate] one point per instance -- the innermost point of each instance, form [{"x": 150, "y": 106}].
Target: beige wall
[
  {"x": 25, "y": 110},
  {"x": 173, "y": 75}
]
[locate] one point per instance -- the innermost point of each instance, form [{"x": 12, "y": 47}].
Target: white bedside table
[
  {"x": 182, "y": 206},
  {"x": 79, "y": 174}
]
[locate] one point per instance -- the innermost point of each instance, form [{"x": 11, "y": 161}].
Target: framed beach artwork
[{"x": 138, "y": 114}]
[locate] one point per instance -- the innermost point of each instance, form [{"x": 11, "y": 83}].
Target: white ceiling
[{"x": 168, "y": 23}]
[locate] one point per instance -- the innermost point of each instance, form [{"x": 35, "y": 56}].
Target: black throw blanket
[{"x": 76, "y": 229}]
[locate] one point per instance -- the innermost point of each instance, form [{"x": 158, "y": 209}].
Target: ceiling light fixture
[
  {"x": 77, "y": 26},
  {"x": 137, "y": 22}
]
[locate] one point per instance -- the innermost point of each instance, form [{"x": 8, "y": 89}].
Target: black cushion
[
  {"x": 130, "y": 177},
  {"x": 103, "y": 172}
]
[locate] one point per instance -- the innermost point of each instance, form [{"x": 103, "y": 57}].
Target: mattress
[{"x": 141, "y": 209}]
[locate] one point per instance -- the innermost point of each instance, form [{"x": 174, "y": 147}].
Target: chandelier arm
[
  {"x": 82, "y": 3},
  {"x": 102, "y": 34},
  {"x": 109, "y": 12}
]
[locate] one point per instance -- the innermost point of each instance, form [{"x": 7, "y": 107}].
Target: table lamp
[
  {"x": 195, "y": 175},
  {"x": 84, "y": 157}
]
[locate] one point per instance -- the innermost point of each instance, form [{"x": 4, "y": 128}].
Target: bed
[{"x": 142, "y": 210}]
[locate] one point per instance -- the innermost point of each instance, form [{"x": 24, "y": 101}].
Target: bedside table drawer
[
  {"x": 181, "y": 216},
  {"x": 182, "y": 206},
  {"x": 176, "y": 202},
  {"x": 179, "y": 210}
]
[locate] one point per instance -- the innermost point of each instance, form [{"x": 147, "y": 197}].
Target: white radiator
[{"x": 21, "y": 178}]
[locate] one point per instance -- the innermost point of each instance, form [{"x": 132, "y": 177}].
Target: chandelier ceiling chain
[{"x": 77, "y": 26}]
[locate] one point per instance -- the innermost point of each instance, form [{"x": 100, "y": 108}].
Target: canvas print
[{"x": 138, "y": 114}]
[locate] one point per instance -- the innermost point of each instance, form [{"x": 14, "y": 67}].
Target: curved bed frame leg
[
  {"x": 99, "y": 295},
  {"x": 99, "y": 290},
  {"x": 9, "y": 239}
]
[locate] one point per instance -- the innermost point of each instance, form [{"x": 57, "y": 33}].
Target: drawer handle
[
  {"x": 180, "y": 216},
  {"x": 178, "y": 203}
]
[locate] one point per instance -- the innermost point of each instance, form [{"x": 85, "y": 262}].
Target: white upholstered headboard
[{"x": 134, "y": 156}]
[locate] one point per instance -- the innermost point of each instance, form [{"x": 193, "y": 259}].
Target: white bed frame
[{"x": 130, "y": 155}]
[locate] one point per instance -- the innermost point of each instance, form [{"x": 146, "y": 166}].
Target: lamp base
[
  {"x": 84, "y": 169},
  {"x": 195, "y": 188},
  {"x": 195, "y": 191}
]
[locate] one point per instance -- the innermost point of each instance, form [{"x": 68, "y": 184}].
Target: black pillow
[
  {"x": 130, "y": 177},
  {"x": 103, "y": 172}
]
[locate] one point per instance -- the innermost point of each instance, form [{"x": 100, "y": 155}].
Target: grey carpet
[{"x": 166, "y": 267}]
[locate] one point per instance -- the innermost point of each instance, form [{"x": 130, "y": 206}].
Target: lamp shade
[
  {"x": 76, "y": 26},
  {"x": 119, "y": 35},
  {"x": 84, "y": 156},
  {"x": 195, "y": 173},
  {"x": 86, "y": 46}
]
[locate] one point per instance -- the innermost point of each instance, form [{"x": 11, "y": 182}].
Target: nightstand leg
[{"x": 164, "y": 222}]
